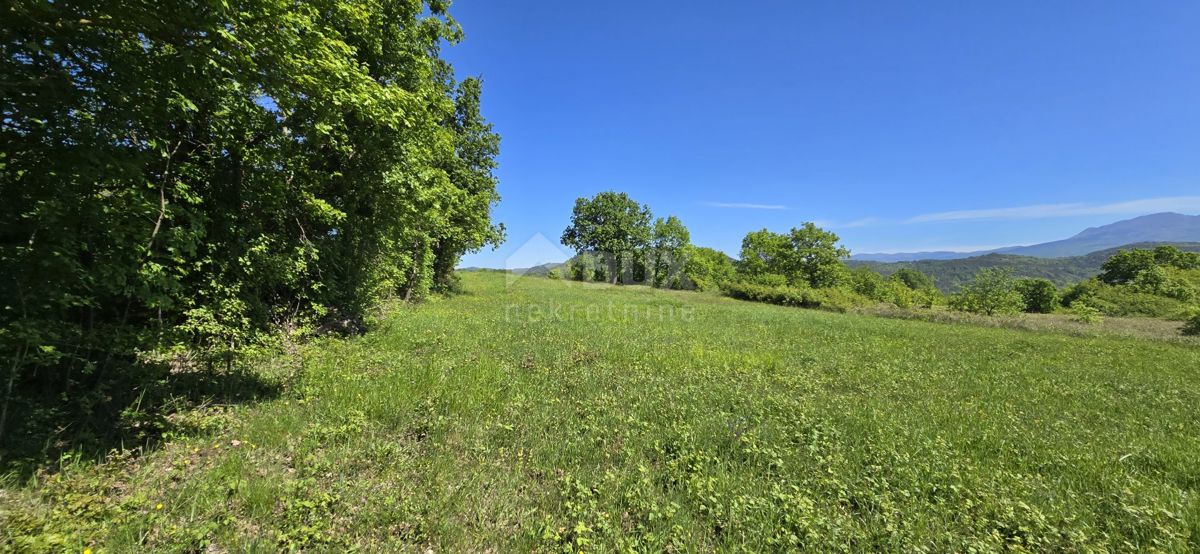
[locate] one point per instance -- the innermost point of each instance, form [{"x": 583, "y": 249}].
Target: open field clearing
[{"x": 549, "y": 415}]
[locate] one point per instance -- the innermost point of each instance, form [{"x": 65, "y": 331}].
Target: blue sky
[{"x": 901, "y": 126}]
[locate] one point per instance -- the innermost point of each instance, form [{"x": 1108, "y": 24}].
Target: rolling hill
[{"x": 948, "y": 275}]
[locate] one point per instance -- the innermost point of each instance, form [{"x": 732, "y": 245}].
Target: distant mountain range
[
  {"x": 535, "y": 271},
  {"x": 1156, "y": 228},
  {"x": 1062, "y": 261}
]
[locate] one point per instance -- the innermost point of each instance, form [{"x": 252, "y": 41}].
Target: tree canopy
[
  {"x": 806, "y": 255},
  {"x": 610, "y": 224},
  {"x": 1127, "y": 265},
  {"x": 992, "y": 292},
  {"x": 913, "y": 278},
  {"x": 669, "y": 239},
  {"x": 188, "y": 175}
]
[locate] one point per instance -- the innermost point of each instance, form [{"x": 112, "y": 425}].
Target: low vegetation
[
  {"x": 1192, "y": 327},
  {"x": 506, "y": 419},
  {"x": 231, "y": 322}
]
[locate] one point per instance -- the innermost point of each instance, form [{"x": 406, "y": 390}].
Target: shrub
[
  {"x": 1083, "y": 313},
  {"x": 899, "y": 294},
  {"x": 1082, "y": 290},
  {"x": 990, "y": 292},
  {"x": 836, "y": 299},
  {"x": 927, "y": 298},
  {"x": 1179, "y": 290},
  {"x": 705, "y": 268},
  {"x": 1122, "y": 300},
  {"x": 1192, "y": 327},
  {"x": 865, "y": 281},
  {"x": 579, "y": 267},
  {"x": 833, "y": 299},
  {"x": 555, "y": 273},
  {"x": 913, "y": 278},
  {"x": 766, "y": 280},
  {"x": 1040, "y": 296}
]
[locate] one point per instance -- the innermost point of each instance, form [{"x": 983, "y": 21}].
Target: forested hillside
[{"x": 949, "y": 275}]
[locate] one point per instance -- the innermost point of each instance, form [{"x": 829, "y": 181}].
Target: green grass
[{"x": 628, "y": 418}]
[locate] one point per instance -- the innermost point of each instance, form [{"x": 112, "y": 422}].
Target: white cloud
[
  {"x": 1147, "y": 205},
  {"x": 744, "y": 206}
]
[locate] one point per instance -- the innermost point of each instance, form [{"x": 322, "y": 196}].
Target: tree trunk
[{"x": 12, "y": 377}]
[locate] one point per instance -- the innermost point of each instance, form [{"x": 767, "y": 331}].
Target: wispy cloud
[
  {"x": 864, "y": 222},
  {"x": 1039, "y": 211},
  {"x": 744, "y": 206},
  {"x": 940, "y": 248}
]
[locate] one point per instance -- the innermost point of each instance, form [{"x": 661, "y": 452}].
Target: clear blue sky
[{"x": 901, "y": 126}]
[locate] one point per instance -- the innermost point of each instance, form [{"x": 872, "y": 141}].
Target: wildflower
[{"x": 158, "y": 506}]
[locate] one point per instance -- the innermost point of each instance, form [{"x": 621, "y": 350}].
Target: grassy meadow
[{"x": 540, "y": 415}]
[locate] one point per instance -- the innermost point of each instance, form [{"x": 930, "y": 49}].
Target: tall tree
[
  {"x": 476, "y": 146},
  {"x": 185, "y": 175},
  {"x": 669, "y": 239},
  {"x": 610, "y": 224},
  {"x": 763, "y": 252},
  {"x": 806, "y": 255},
  {"x": 816, "y": 256}
]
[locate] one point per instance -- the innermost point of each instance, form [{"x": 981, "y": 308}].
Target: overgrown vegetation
[
  {"x": 506, "y": 420},
  {"x": 186, "y": 182},
  {"x": 1192, "y": 327}
]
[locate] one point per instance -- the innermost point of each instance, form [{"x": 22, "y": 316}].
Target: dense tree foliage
[
  {"x": 913, "y": 278},
  {"x": 1040, "y": 296},
  {"x": 873, "y": 286},
  {"x": 807, "y": 255},
  {"x": 668, "y": 243},
  {"x": 616, "y": 242},
  {"x": 1126, "y": 266},
  {"x": 991, "y": 292},
  {"x": 182, "y": 176},
  {"x": 707, "y": 268},
  {"x": 611, "y": 225}
]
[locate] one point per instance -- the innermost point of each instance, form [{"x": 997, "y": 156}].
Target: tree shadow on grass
[{"x": 136, "y": 410}]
